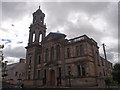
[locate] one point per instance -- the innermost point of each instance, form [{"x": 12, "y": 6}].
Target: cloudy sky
[{"x": 98, "y": 20}]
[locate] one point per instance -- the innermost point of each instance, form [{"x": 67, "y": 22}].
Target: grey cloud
[
  {"x": 0, "y": 12},
  {"x": 3, "y": 29},
  {"x": 57, "y": 13},
  {"x": 110, "y": 15},
  {"x": 110, "y": 56},
  {"x": 17, "y": 52},
  {"x": 13, "y": 10}
]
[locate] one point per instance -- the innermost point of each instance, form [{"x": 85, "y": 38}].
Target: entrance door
[{"x": 52, "y": 78}]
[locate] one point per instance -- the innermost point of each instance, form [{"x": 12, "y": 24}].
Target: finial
[{"x": 39, "y": 6}]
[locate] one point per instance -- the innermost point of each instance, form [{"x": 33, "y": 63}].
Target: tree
[{"x": 116, "y": 72}]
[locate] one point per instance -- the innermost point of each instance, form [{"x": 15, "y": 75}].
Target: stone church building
[{"x": 53, "y": 60}]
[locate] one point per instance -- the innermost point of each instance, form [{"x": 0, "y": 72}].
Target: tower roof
[{"x": 38, "y": 11}]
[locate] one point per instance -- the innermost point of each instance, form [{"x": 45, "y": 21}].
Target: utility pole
[{"x": 104, "y": 51}]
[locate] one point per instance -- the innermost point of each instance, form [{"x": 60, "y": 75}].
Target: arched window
[
  {"x": 29, "y": 75},
  {"x": 79, "y": 70},
  {"x": 59, "y": 70},
  {"x": 59, "y": 75},
  {"x": 30, "y": 61},
  {"x": 33, "y": 37},
  {"x": 52, "y": 53},
  {"x": 97, "y": 56},
  {"x": 44, "y": 79},
  {"x": 83, "y": 71},
  {"x": 77, "y": 51},
  {"x": 40, "y": 38},
  {"x": 58, "y": 52},
  {"x": 46, "y": 54},
  {"x": 68, "y": 52},
  {"x": 38, "y": 74},
  {"x": 81, "y": 50},
  {"x": 39, "y": 59}
]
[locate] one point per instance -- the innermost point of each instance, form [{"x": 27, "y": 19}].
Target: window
[
  {"x": 47, "y": 54},
  {"x": 83, "y": 71},
  {"x": 81, "y": 50},
  {"x": 104, "y": 72},
  {"x": 59, "y": 76},
  {"x": 52, "y": 54},
  {"x": 59, "y": 72},
  {"x": 58, "y": 52},
  {"x": 38, "y": 74},
  {"x": 40, "y": 38},
  {"x": 97, "y": 56},
  {"x": 30, "y": 61},
  {"x": 79, "y": 70},
  {"x": 29, "y": 75},
  {"x": 33, "y": 39},
  {"x": 34, "y": 19},
  {"x": 39, "y": 60},
  {"x": 102, "y": 61},
  {"x": 44, "y": 80},
  {"x": 77, "y": 51},
  {"x": 69, "y": 70},
  {"x": 45, "y": 73},
  {"x": 68, "y": 52}
]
